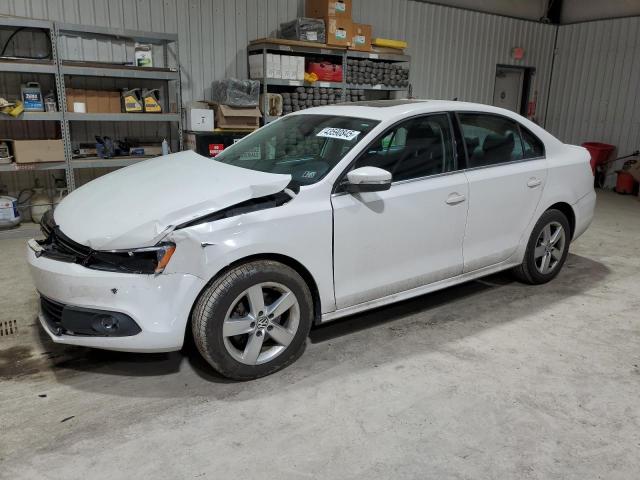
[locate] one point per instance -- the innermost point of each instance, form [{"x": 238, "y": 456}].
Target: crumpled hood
[{"x": 136, "y": 206}]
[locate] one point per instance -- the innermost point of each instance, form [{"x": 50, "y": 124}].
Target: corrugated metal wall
[
  {"x": 455, "y": 51},
  {"x": 213, "y": 34},
  {"x": 595, "y": 84}
]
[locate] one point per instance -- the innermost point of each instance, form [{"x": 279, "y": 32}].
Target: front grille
[{"x": 52, "y": 313}]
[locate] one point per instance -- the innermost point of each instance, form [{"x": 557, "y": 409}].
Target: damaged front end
[
  {"x": 57, "y": 246},
  {"x": 251, "y": 205}
]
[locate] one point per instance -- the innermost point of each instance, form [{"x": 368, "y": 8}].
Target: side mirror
[{"x": 368, "y": 179}]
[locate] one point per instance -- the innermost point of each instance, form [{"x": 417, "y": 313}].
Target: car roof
[{"x": 386, "y": 109}]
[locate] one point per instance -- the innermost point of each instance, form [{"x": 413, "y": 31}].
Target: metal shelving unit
[
  {"x": 97, "y": 162},
  {"x": 122, "y": 117},
  {"x": 34, "y": 116},
  {"x": 28, "y": 167},
  {"x": 95, "y": 69},
  {"x": 275, "y": 45},
  {"x": 72, "y": 68},
  {"x": 63, "y": 68},
  {"x": 33, "y": 66}
]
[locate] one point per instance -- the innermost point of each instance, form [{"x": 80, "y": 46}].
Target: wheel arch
[
  {"x": 568, "y": 212},
  {"x": 285, "y": 260}
]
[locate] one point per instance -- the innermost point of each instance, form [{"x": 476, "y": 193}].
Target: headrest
[
  {"x": 494, "y": 141},
  {"x": 421, "y": 132}
]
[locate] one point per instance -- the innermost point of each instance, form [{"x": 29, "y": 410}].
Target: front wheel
[
  {"x": 547, "y": 249},
  {"x": 253, "y": 320}
]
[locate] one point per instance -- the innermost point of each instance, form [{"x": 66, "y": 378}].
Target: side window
[
  {"x": 490, "y": 139},
  {"x": 416, "y": 148},
  {"x": 533, "y": 146}
]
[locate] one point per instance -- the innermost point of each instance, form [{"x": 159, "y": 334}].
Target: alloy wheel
[
  {"x": 549, "y": 247},
  {"x": 261, "y": 322}
]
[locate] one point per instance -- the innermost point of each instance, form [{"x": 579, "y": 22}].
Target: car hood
[{"x": 138, "y": 205}]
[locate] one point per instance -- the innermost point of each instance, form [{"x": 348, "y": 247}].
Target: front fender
[{"x": 205, "y": 250}]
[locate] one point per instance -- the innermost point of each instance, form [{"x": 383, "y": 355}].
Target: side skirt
[{"x": 415, "y": 292}]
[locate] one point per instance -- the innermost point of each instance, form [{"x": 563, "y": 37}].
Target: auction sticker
[{"x": 339, "y": 133}]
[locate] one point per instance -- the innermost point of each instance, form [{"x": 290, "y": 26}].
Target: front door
[
  {"x": 410, "y": 235},
  {"x": 507, "y": 172}
]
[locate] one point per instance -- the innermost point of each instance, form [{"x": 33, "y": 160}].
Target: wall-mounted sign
[{"x": 517, "y": 53}]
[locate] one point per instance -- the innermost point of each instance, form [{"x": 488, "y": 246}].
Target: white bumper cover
[
  {"x": 160, "y": 304},
  {"x": 584, "y": 209}
]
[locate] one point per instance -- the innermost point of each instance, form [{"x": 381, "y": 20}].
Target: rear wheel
[
  {"x": 547, "y": 249},
  {"x": 253, "y": 320}
]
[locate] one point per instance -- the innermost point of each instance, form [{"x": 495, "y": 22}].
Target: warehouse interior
[{"x": 487, "y": 379}]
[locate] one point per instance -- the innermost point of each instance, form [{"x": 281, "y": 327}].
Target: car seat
[
  {"x": 422, "y": 154},
  {"x": 497, "y": 148}
]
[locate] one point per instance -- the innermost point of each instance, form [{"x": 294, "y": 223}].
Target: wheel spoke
[
  {"x": 256, "y": 300},
  {"x": 539, "y": 252},
  {"x": 556, "y": 236},
  {"x": 556, "y": 253},
  {"x": 253, "y": 348},
  {"x": 239, "y": 326},
  {"x": 281, "y": 335},
  {"x": 545, "y": 263},
  {"x": 284, "y": 303},
  {"x": 546, "y": 234}
]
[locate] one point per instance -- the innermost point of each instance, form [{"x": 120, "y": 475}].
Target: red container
[
  {"x": 326, "y": 71},
  {"x": 625, "y": 182},
  {"x": 599, "y": 152}
]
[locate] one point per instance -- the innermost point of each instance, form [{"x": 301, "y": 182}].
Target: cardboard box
[
  {"x": 114, "y": 101},
  {"x": 339, "y": 31},
  {"x": 285, "y": 65},
  {"x": 361, "y": 39},
  {"x": 300, "y": 68},
  {"x": 256, "y": 66},
  {"x": 71, "y": 98},
  {"x": 230, "y": 117},
  {"x": 103, "y": 101},
  {"x": 38, "y": 151},
  {"x": 92, "y": 101},
  {"x": 200, "y": 117},
  {"x": 328, "y": 8},
  {"x": 75, "y": 95},
  {"x": 291, "y": 67},
  {"x": 274, "y": 66}
]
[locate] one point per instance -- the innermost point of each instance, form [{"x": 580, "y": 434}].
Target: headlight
[{"x": 148, "y": 260}]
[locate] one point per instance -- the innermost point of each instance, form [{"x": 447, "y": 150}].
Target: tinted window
[
  {"x": 533, "y": 147},
  {"x": 490, "y": 139},
  {"x": 416, "y": 148}
]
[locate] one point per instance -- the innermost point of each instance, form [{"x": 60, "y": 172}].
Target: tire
[
  {"x": 532, "y": 269},
  {"x": 244, "y": 339}
]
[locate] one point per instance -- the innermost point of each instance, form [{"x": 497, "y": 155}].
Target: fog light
[{"x": 110, "y": 324}]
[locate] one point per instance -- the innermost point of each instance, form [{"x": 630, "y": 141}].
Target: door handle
[
  {"x": 455, "y": 198},
  {"x": 533, "y": 182}
]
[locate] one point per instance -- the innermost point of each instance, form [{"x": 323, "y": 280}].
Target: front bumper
[{"x": 159, "y": 304}]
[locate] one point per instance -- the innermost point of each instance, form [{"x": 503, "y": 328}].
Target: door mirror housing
[{"x": 368, "y": 179}]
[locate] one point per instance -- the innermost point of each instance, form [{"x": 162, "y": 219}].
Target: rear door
[
  {"x": 507, "y": 171},
  {"x": 410, "y": 235}
]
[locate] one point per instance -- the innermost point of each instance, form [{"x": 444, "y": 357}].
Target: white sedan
[{"x": 319, "y": 215}]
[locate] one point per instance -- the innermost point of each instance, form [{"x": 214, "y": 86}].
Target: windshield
[{"x": 306, "y": 147}]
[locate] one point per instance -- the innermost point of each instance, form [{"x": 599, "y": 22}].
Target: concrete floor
[{"x": 491, "y": 379}]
